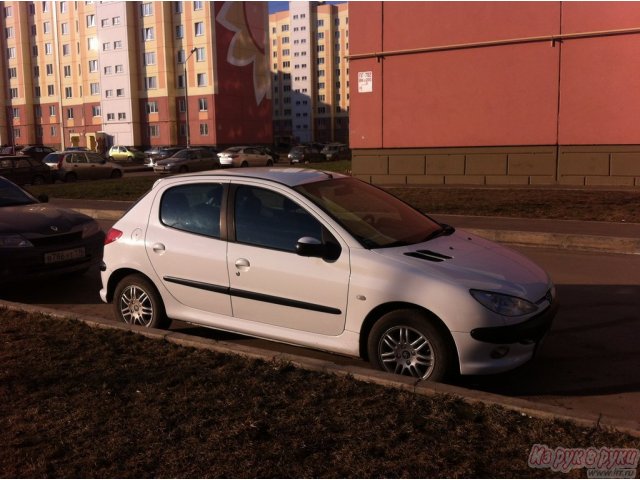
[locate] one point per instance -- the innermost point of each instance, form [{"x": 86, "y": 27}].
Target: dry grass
[{"x": 81, "y": 402}]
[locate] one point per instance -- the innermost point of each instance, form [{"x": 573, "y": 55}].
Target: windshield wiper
[{"x": 445, "y": 230}]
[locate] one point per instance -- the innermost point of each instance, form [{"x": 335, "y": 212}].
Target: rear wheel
[
  {"x": 137, "y": 302},
  {"x": 116, "y": 174},
  {"x": 269, "y": 163},
  {"x": 70, "y": 177},
  {"x": 244, "y": 164},
  {"x": 407, "y": 342}
]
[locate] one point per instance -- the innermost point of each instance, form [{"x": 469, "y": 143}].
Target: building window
[
  {"x": 16, "y": 133},
  {"x": 105, "y": 22},
  {"x": 13, "y": 93},
  {"x": 15, "y": 112},
  {"x": 284, "y": 28},
  {"x": 11, "y": 52},
  {"x": 92, "y": 43},
  {"x": 111, "y": 116},
  {"x": 203, "y": 104},
  {"x": 68, "y": 92},
  {"x": 53, "y": 130},
  {"x": 120, "y": 92},
  {"x": 117, "y": 45},
  {"x": 49, "y": 68},
  {"x": 51, "y": 91},
  {"x": 36, "y": 71},
  {"x": 67, "y": 70},
  {"x": 154, "y": 131},
  {"x": 64, "y": 28},
  {"x": 198, "y": 6},
  {"x": 200, "y": 56},
  {"x": 179, "y": 31},
  {"x": 204, "y": 129},
  {"x": 94, "y": 88},
  {"x": 147, "y": 9},
  {"x": 147, "y": 34},
  {"x": 108, "y": 70},
  {"x": 122, "y": 116},
  {"x": 115, "y": 20},
  {"x": 63, "y": 7},
  {"x": 152, "y": 107},
  {"x": 177, "y": 7},
  {"x": 70, "y": 113},
  {"x": 52, "y": 110},
  {"x": 106, "y": 46},
  {"x": 8, "y": 11},
  {"x": 119, "y": 69},
  {"x": 38, "y": 92},
  {"x": 66, "y": 49},
  {"x": 150, "y": 82},
  {"x": 13, "y": 72},
  {"x": 202, "y": 79},
  {"x": 108, "y": 93},
  {"x": 9, "y": 32},
  {"x": 96, "y": 111},
  {"x": 93, "y": 66},
  {"x": 91, "y": 20},
  {"x": 198, "y": 27},
  {"x": 46, "y": 27},
  {"x": 150, "y": 58}
]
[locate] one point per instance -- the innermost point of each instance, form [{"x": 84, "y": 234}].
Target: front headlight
[
  {"x": 503, "y": 304},
  {"x": 89, "y": 229},
  {"x": 14, "y": 241}
]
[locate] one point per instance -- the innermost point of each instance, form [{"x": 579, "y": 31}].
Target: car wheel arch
[
  {"x": 378, "y": 312},
  {"x": 116, "y": 276}
]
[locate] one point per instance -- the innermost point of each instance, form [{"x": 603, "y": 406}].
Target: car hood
[
  {"x": 476, "y": 263},
  {"x": 38, "y": 219}
]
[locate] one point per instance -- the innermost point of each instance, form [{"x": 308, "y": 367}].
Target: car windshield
[
  {"x": 11, "y": 195},
  {"x": 372, "y": 216}
]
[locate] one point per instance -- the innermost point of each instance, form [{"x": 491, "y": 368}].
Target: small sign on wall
[{"x": 365, "y": 82}]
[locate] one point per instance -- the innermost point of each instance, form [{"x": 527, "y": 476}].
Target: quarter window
[{"x": 193, "y": 208}]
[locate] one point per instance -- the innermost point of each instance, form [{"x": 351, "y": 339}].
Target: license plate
[{"x": 64, "y": 255}]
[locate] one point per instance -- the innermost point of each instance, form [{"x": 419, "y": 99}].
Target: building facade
[
  {"x": 309, "y": 48},
  {"x": 528, "y": 93},
  {"x": 135, "y": 73}
]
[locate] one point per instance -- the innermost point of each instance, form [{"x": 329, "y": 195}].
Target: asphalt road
[{"x": 588, "y": 362}]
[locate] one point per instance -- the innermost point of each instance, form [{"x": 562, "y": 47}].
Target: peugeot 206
[{"x": 326, "y": 261}]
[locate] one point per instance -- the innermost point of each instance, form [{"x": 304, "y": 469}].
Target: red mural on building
[{"x": 243, "y": 99}]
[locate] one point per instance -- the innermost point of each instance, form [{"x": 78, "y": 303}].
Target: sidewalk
[{"x": 604, "y": 237}]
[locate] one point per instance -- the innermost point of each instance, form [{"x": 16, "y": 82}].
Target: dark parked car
[
  {"x": 36, "y": 151},
  {"x": 188, "y": 160},
  {"x": 153, "y": 155},
  {"x": 24, "y": 170},
  {"x": 70, "y": 166},
  {"x": 40, "y": 240},
  {"x": 272, "y": 153},
  {"x": 337, "y": 151},
  {"x": 305, "y": 154}
]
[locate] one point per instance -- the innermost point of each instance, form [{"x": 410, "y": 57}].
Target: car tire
[
  {"x": 269, "y": 163},
  {"x": 408, "y": 342},
  {"x": 116, "y": 174},
  {"x": 137, "y": 302},
  {"x": 244, "y": 164},
  {"x": 70, "y": 178}
]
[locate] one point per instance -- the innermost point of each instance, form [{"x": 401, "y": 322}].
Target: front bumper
[{"x": 500, "y": 349}]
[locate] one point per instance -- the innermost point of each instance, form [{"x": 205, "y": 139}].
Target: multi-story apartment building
[
  {"x": 134, "y": 73},
  {"x": 309, "y": 48}
]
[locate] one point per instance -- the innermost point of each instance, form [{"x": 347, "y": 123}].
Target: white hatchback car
[{"x": 325, "y": 261}]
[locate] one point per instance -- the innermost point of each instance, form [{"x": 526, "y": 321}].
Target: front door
[{"x": 270, "y": 283}]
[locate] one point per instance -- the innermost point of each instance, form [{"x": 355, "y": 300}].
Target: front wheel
[
  {"x": 407, "y": 342},
  {"x": 137, "y": 302}
]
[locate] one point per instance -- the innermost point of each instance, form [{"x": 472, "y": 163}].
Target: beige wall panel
[
  {"x": 425, "y": 179},
  {"x": 609, "y": 181},
  {"x": 445, "y": 164},
  {"x": 584, "y": 163},
  {"x": 507, "y": 180},
  {"x": 542, "y": 180},
  {"x": 370, "y": 164},
  {"x": 410, "y": 164},
  {"x": 495, "y": 164},
  {"x": 625, "y": 164},
  {"x": 532, "y": 164},
  {"x": 571, "y": 180}
]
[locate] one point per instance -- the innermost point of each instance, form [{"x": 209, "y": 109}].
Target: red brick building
[{"x": 495, "y": 92}]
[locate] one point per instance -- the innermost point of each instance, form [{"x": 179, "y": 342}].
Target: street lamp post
[{"x": 186, "y": 94}]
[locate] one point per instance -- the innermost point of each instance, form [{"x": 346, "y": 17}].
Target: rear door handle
[{"x": 243, "y": 265}]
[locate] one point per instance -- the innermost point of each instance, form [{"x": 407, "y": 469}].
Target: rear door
[{"x": 183, "y": 243}]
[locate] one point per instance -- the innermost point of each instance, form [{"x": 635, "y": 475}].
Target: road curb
[
  {"x": 424, "y": 388},
  {"x": 585, "y": 243}
]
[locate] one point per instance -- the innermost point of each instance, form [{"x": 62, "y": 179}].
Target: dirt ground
[{"x": 82, "y": 403}]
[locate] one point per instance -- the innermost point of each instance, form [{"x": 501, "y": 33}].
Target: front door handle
[
  {"x": 243, "y": 265},
  {"x": 158, "y": 248}
]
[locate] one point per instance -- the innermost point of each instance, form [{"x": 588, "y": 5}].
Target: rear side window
[{"x": 193, "y": 208}]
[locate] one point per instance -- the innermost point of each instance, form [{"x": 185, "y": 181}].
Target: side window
[
  {"x": 193, "y": 208},
  {"x": 22, "y": 163},
  {"x": 93, "y": 158},
  {"x": 267, "y": 219},
  {"x": 78, "y": 158}
]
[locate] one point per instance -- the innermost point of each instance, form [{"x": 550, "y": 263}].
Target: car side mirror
[{"x": 312, "y": 247}]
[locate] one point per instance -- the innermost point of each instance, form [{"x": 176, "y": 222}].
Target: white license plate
[{"x": 64, "y": 255}]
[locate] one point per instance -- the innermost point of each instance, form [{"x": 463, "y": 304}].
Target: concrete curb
[
  {"x": 424, "y": 388},
  {"x": 586, "y": 243}
]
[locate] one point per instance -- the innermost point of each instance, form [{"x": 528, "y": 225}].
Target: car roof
[{"x": 289, "y": 176}]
